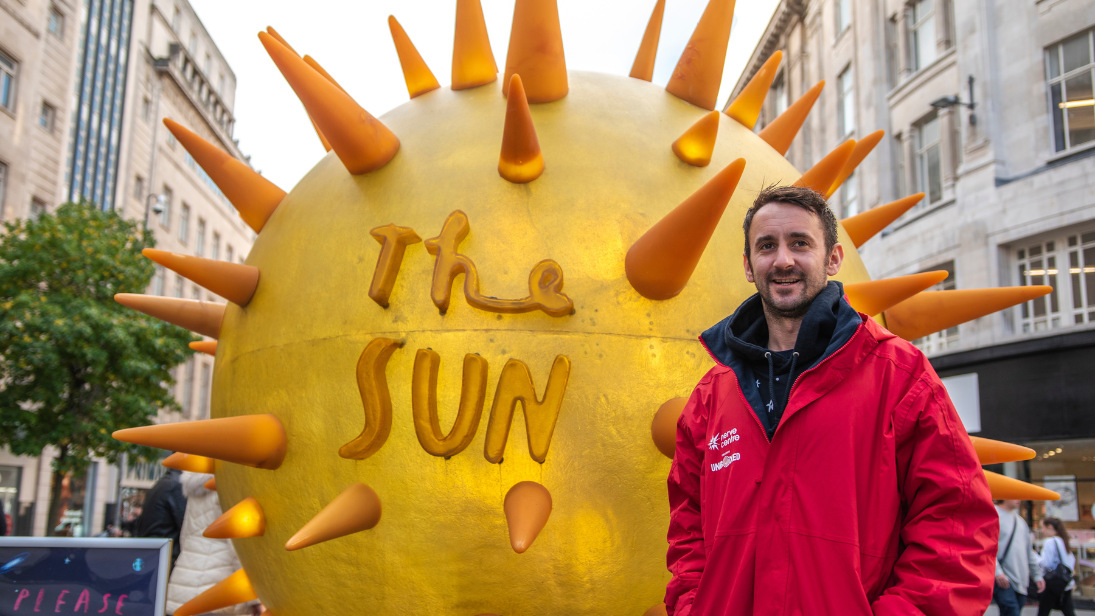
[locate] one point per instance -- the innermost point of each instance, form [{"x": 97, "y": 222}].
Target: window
[
  {"x": 849, "y": 196},
  {"x": 1069, "y": 67},
  {"x": 206, "y": 380},
  {"x": 845, "y": 104},
  {"x": 216, "y": 252},
  {"x": 228, "y": 253},
  {"x": 37, "y": 208},
  {"x": 843, "y": 15},
  {"x": 948, "y": 338},
  {"x": 184, "y": 223},
  {"x": 3, "y": 187},
  {"x": 892, "y": 52},
  {"x": 176, "y": 19},
  {"x": 199, "y": 242},
  {"x": 193, "y": 47},
  {"x": 929, "y": 166},
  {"x": 146, "y": 109},
  {"x": 923, "y": 34},
  {"x": 157, "y": 280},
  {"x": 180, "y": 283},
  {"x": 45, "y": 116},
  {"x": 1037, "y": 264},
  {"x": 138, "y": 188},
  {"x": 208, "y": 66},
  {"x": 775, "y": 104},
  {"x": 56, "y": 25},
  {"x": 171, "y": 140},
  {"x": 220, "y": 85},
  {"x": 899, "y": 164},
  {"x": 8, "y": 70},
  {"x": 165, "y": 213},
  {"x": 1081, "y": 272},
  {"x": 188, "y": 386},
  {"x": 195, "y": 292}
]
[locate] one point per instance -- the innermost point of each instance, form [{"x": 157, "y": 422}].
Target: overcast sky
[{"x": 352, "y": 41}]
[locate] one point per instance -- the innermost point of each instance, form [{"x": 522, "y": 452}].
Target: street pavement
[{"x": 1032, "y": 610}]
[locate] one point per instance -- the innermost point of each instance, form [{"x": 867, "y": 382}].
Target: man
[
  {"x": 820, "y": 466},
  {"x": 1016, "y": 561},
  {"x": 164, "y": 508}
]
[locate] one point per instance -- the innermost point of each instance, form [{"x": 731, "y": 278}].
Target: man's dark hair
[{"x": 805, "y": 198}]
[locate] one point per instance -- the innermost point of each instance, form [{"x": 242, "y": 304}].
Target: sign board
[
  {"x": 966, "y": 397},
  {"x": 107, "y": 577},
  {"x": 1068, "y": 508}
]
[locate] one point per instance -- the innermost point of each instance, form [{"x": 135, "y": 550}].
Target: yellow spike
[
  {"x": 209, "y": 347},
  {"x": 697, "y": 144},
  {"x": 997, "y": 452},
  {"x": 211, "y": 484},
  {"x": 874, "y": 296},
  {"x": 274, "y": 33},
  {"x": 643, "y": 67},
  {"x": 527, "y": 506},
  {"x": 820, "y": 177},
  {"x": 536, "y": 51},
  {"x": 235, "y": 282},
  {"x": 362, "y": 142},
  {"x": 781, "y": 132},
  {"x": 190, "y": 463},
  {"x": 659, "y": 264},
  {"x": 1006, "y": 488},
  {"x": 245, "y": 519},
  {"x": 657, "y": 610},
  {"x": 521, "y": 160},
  {"x": 699, "y": 71},
  {"x": 663, "y": 430},
  {"x": 199, "y": 317},
  {"x": 473, "y": 62},
  {"x": 866, "y": 225},
  {"x": 356, "y": 509},
  {"x": 254, "y": 196},
  {"x": 746, "y": 107},
  {"x": 415, "y": 72},
  {"x": 250, "y": 440},
  {"x": 863, "y": 147},
  {"x": 933, "y": 311},
  {"x": 232, "y": 590}
]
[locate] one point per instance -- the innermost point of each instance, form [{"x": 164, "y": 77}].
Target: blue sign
[{"x": 105, "y": 577}]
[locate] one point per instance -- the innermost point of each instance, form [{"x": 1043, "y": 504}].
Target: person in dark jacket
[
  {"x": 3, "y": 521},
  {"x": 164, "y": 508},
  {"x": 820, "y": 467}
]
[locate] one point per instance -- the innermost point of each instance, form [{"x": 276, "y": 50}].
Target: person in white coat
[
  {"x": 203, "y": 562},
  {"x": 1056, "y": 550}
]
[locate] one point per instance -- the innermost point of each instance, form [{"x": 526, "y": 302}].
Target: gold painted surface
[{"x": 442, "y": 546}]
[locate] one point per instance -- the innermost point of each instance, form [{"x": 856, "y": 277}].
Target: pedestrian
[
  {"x": 1057, "y": 564},
  {"x": 1016, "y": 561},
  {"x": 820, "y": 466},
  {"x": 3, "y": 521},
  {"x": 203, "y": 561},
  {"x": 164, "y": 506}
]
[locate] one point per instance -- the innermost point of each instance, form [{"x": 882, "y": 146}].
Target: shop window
[
  {"x": 68, "y": 516},
  {"x": 1067, "y": 467},
  {"x": 843, "y": 15},
  {"x": 9, "y": 494},
  {"x": 1070, "y": 68},
  {"x": 929, "y": 163},
  {"x": 9, "y": 69},
  {"x": 845, "y": 102},
  {"x": 923, "y": 34},
  {"x": 849, "y": 196},
  {"x": 1037, "y": 264},
  {"x": 948, "y": 338}
]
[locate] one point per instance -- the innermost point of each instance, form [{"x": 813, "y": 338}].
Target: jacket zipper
[{"x": 799, "y": 377}]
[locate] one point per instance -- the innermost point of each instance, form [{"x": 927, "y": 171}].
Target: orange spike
[
  {"x": 209, "y": 347},
  {"x": 250, "y": 440},
  {"x": 746, "y": 107},
  {"x": 415, "y": 72},
  {"x": 933, "y": 311},
  {"x": 190, "y": 463},
  {"x": 663, "y": 430},
  {"x": 820, "y": 177},
  {"x": 232, "y": 590},
  {"x": 643, "y": 67},
  {"x": 527, "y": 506},
  {"x": 199, "y": 317},
  {"x": 866, "y": 225},
  {"x": 657, "y": 610},
  {"x": 254, "y": 196},
  {"x": 1006, "y": 488},
  {"x": 863, "y": 147},
  {"x": 660, "y": 263},
  {"x": 319, "y": 133},
  {"x": 245, "y": 519},
  {"x": 781, "y": 131},
  {"x": 310, "y": 61},
  {"x": 997, "y": 452},
  {"x": 874, "y": 296},
  {"x": 699, "y": 71},
  {"x": 235, "y": 282},
  {"x": 473, "y": 62},
  {"x": 356, "y": 509},
  {"x": 521, "y": 160},
  {"x": 536, "y": 51},
  {"x": 697, "y": 144},
  {"x": 211, "y": 484},
  {"x": 362, "y": 142},
  {"x": 274, "y": 33}
]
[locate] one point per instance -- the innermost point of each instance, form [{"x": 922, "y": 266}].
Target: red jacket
[{"x": 868, "y": 500}]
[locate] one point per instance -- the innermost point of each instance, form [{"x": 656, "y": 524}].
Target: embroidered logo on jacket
[{"x": 721, "y": 441}]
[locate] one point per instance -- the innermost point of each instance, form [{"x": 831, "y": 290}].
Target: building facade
[
  {"x": 988, "y": 110},
  {"x": 83, "y": 86}
]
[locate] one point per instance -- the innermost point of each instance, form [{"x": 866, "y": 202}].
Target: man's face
[
  {"x": 1011, "y": 505},
  {"x": 789, "y": 263}
]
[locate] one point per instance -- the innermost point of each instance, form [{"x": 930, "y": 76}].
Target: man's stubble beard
[{"x": 814, "y": 287}]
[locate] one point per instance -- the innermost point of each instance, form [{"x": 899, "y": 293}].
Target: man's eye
[{"x": 767, "y": 246}]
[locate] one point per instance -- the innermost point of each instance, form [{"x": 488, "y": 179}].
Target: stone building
[
  {"x": 988, "y": 110},
  {"x": 83, "y": 86}
]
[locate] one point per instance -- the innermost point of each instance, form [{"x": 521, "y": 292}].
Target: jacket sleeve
[
  {"x": 950, "y": 528},
  {"x": 686, "y": 556}
]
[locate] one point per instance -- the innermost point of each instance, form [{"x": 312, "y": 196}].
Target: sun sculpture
[{"x": 548, "y": 242}]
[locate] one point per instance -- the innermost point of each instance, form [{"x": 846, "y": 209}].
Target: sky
[{"x": 352, "y": 41}]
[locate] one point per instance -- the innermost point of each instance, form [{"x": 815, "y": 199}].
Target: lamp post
[
  {"x": 951, "y": 101},
  {"x": 158, "y": 208}
]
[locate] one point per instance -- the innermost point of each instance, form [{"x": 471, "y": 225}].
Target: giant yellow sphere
[{"x": 442, "y": 545}]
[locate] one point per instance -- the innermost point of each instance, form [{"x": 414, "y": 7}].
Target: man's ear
[
  {"x": 836, "y": 259},
  {"x": 748, "y": 267}
]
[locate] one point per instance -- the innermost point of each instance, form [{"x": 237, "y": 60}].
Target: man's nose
[{"x": 784, "y": 258}]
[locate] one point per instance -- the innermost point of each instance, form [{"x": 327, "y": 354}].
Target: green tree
[{"x": 74, "y": 364}]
